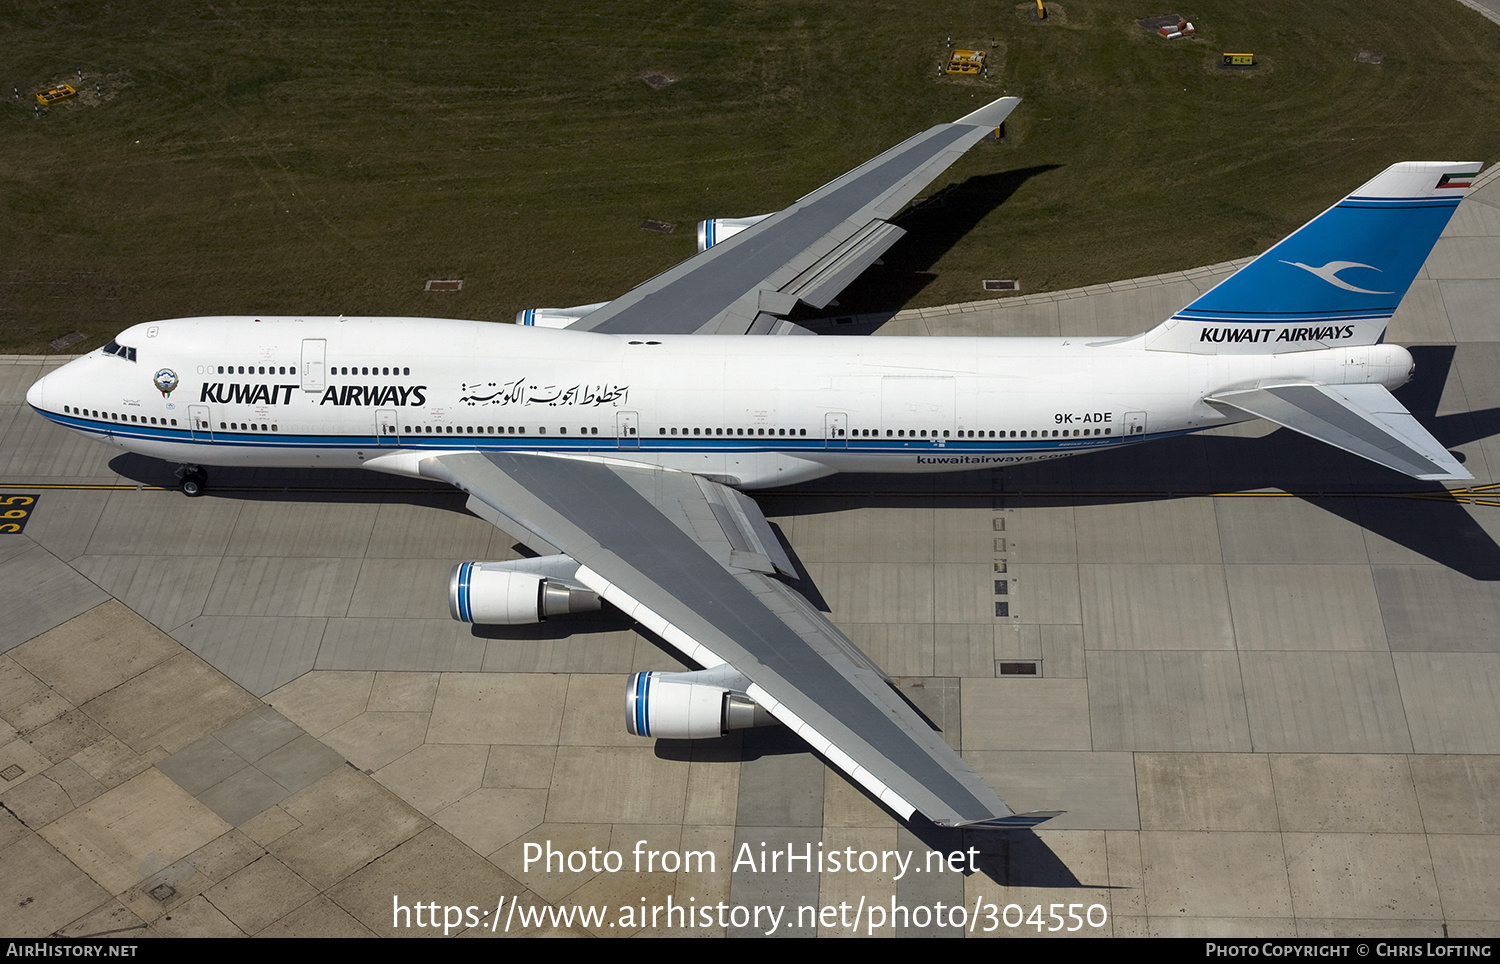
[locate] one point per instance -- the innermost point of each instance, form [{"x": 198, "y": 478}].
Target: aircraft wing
[
  {"x": 808, "y": 252},
  {"x": 1363, "y": 419},
  {"x": 693, "y": 561}
]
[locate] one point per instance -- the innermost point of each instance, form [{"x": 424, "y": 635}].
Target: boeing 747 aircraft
[{"x": 615, "y": 440}]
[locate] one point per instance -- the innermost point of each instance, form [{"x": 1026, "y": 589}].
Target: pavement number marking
[{"x": 14, "y": 511}]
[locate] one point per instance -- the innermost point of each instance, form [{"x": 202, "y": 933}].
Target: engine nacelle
[
  {"x": 555, "y": 317},
  {"x": 498, "y": 594},
  {"x": 678, "y": 706},
  {"x": 714, "y": 230}
]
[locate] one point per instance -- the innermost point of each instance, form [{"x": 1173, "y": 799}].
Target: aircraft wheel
[{"x": 192, "y": 484}]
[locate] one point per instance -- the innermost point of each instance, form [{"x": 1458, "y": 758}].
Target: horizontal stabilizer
[{"x": 1365, "y": 420}]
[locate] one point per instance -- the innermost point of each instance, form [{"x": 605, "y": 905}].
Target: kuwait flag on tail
[{"x": 1456, "y": 180}]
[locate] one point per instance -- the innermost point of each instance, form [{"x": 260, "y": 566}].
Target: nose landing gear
[{"x": 191, "y": 479}]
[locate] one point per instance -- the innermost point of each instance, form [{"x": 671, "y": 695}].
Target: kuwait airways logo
[
  {"x": 165, "y": 381},
  {"x": 1330, "y": 273}
]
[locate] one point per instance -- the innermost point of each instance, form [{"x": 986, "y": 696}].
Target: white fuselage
[{"x": 752, "y": 411}]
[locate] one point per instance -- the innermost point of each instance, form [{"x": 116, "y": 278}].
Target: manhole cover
[{"x": 657, "y": 79}]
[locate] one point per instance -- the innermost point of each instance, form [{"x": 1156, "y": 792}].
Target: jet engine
[
  {"x": 714, "y": 230},
  {"x": 555, "y": 317},
  {"x": 688, "y": 706},
  {"x": 514, "y": 593}
]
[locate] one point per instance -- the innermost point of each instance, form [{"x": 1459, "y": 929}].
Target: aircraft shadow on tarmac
[
  {"x": 933, "y": 226},
  {"x": 1010, "y": 858},
  {"x": 1420, "y": 516}
]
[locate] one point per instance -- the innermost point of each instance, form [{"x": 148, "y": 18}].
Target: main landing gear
[{"x": 191, "y": 479}]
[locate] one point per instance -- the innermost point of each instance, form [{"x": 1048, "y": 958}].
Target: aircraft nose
[{"x": 36, "y": 393}]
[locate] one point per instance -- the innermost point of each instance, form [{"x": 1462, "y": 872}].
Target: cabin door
[
  {"x": 627, "y": 424},
  {"x": 203, "y": 430},
  {"x": 314, "y": 364},
  {"x": 836, "y": 430},
  {"x": 385, "y": 427}
]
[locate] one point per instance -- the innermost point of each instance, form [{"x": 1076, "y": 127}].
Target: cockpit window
[{"x": 115, "y": 348}]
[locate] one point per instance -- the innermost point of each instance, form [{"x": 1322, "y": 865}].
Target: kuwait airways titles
[
  {"x": 1263, "y": 335},
  {"x": 368, "y": 395}
]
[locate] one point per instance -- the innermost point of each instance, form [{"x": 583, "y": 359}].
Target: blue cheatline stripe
[
  {"x": 1355, "y": 201},
  {"x": 642, "y": 695},
  {"x": 1276, "y": 317},
  {"x": 597, "y": 444},
  {"x": 465, "y": 611}
]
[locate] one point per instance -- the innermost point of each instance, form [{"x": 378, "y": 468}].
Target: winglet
[
  {"x": 992, "y": 114},
  {"x": 1016, "y": 821}
]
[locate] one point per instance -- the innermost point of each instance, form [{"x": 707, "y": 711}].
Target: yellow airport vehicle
[
  {"x": 965, "y": 62},
  {"x": 53, "y": 95}
]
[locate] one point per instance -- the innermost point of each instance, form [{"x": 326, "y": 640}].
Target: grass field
[{"x": 281, "y": 157}]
